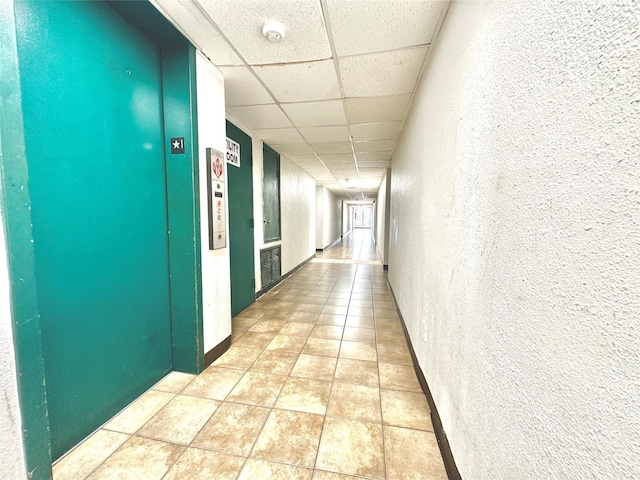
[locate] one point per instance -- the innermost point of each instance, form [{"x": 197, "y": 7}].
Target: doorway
[
  {"x": 362, "y": 215},
  {"x": 241, "y": 226}
]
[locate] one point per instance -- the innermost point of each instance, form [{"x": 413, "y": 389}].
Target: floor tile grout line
[{"x": 358, "y": 275}]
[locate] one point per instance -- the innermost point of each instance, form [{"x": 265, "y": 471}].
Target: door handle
[{"x": 266, "y": 221}]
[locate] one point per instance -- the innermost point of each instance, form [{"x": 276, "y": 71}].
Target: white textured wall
[
  {"x": 515, "y": 233},
  {"x": 11, "y": 452},
  {"x": 216, "y": 280},
  {"x": 327, "y": 217},
  {"x": 381, "y": 212},
  {"x": 258, "y": 207},
  {"x": 298, "y": 215},
  {"x": 319, "y": 217},
  {"x": 346, "y": 218},
  {"x": 331, "y": 217}
]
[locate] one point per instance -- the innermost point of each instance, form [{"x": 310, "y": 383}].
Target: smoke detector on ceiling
[{"x": 273, "y": 32}]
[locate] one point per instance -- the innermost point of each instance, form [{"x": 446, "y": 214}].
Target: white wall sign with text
[{"x": 233, "y": 152}]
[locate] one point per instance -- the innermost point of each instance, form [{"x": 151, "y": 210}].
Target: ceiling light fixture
[
  {"x": 349, "y": 184},
  {"x": 272, "y": 31}
]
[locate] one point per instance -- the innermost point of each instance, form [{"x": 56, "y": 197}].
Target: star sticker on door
[{"x": 177, "y": 145}]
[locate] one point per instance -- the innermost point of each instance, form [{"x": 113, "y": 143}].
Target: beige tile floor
[{"x": 318, "y": 384}]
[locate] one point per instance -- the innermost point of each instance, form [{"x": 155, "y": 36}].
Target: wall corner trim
[
  {"x": 441, "y": 436},
  {"x": 217, "y": 351}
]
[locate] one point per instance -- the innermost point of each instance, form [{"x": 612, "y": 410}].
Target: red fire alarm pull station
[{"x": 217, "y": 203}]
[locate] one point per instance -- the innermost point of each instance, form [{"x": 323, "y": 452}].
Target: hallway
[{"x": 318, "y": 384}]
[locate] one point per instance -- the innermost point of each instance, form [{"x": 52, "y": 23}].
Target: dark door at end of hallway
[
  {"x": 241, "y": 226},
  {"x": 93, "y": 121}
]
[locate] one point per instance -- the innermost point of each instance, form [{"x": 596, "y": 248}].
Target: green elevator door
[
  {"x": 241, "y": 227},
  {"x": 94, "y": 137}
]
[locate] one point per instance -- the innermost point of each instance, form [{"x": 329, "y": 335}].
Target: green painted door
[
  {"x": 241, "y": 226},
  {"x": 94, "y": 138},
  {"x": 271, "y": 193}
]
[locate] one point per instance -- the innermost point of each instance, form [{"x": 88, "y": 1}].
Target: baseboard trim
[
  {"x": 335, "y": 242},
  {"x": 441, "y": 436},
  {"x": 284, "y": 277},
  {"x": 217, "y": 351}
]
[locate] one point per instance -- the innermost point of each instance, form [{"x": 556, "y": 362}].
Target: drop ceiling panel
[
  {"x": 241, "y": 87},
  {"x": 190, "y": 20},
  {"x": 374, "y": 166},
  {"x": 374, "y": 146},
  {"x": 261, "y": 116},
  {"x": 280, "y": 135},
  {"x": 369, "y": 173},
  {"x": 371, "y": 184},
  {"x": 361, "y": 75},
  {"x": 374, "y": 156},
  {"x": 332, "y": 148},
  {"x": 344, "y": 172},
  {"x": 343, "y": 157},
  {"x": 312, "y": 114},
  {"x": 321, "y": 173},
  {"x": 304, "y": 159},
  {"x": 377, "y": 109},
  {"x": 344, "y": 177},
  {"x": 301, "y": 82},
  {"x": 337, "y": 162},
  {"x": 326, "y": 180},
  {"x": 290, "y": 94},
  {"x": 305, "y": 35},
  {"x": 325, "y": 134},
  {"x": 375, "y": 131},
  {"x": 292, "y": 148},
  {"x": 317, "y": 176},
  {"x": 364, "y": 26},
  {"x": 317, "y": 168},
  {"x": 341, "y": 166}
]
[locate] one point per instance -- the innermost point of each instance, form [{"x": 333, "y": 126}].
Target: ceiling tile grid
[
  {"x": 316, "y": 114},
  {"x": 374, "y": 146},
  {"x": 333, "y": 94},
  {"x": 365, "y": 26},
  {"x": 195, "y": 24},
  {"x": 290, "y": 149},
  {"x": 243, "y": 88},
  {"x": 280, "y": 135},
  {"x": 257, "y": 117},
  {"x": 301, "y": 82},
  {"x": 377, "y": 109},
  {"x": 325, "y": 134},
  {"x": 388, "y": 73},
  {"x": 375, "y": 131},
  {"x": 242, "y": 21}
]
